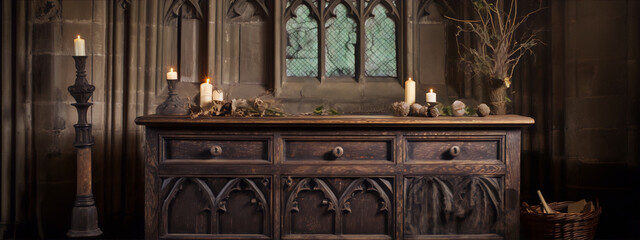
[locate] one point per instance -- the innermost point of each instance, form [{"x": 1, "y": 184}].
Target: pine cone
[
  {"x": 260, "y": 106},
  {"x": 458, "y": 108},
  {"x": 483, "y": 110},
  {"x": 433, "y": 112},
  {"x": 416, "y": 110},
  {"x": 400, "y": 109}
]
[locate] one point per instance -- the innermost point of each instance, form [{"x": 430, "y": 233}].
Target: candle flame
[
  {"x": 431, "y": 90},
  {"x": 78, "y": 36},
  {"x": 171, "y": 70},
  {"x": 410, "y": 79},
  {"x": 207, "y": 80}
]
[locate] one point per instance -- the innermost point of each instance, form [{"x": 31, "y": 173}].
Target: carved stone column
[{"x": 84, "y": 216}]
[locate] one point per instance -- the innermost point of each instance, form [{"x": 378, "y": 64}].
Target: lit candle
[
  {"x": 171, "y": 75},
  {"x": 78, "y": 43},
  {"x": 206, "y": 90},
  {"x": 218, "y": 95},
  {"x": 410, "y": 92},
  {"x": 431, "y": 96}
]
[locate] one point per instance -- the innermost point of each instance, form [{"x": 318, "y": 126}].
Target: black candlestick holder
[
  {"x": 173, "y": 105},
  {"x": 84, "y": 215}
]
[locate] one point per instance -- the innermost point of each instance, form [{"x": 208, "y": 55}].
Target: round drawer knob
[
  {"x": 216, "y": 150},
  {"x": 337, "y": 152},
  {"x": 454, "y": 151}
]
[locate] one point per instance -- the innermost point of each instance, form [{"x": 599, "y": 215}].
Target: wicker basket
[{"x": 537, "y": 225}]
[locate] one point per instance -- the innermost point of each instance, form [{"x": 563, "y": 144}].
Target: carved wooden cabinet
[{"x": 344, "y": 177}]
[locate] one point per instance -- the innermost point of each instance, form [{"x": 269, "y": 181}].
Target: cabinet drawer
[
  {"x": 446, "y": 148},
  {"x": 338, "y": 149},
  {"x": 217, "y": 149}
]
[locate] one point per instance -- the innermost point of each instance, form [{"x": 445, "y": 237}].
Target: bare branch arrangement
[{"x": 498, "y": 49}]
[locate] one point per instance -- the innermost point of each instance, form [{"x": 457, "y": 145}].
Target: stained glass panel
[
  {"x": 341, "y": 44},
  {"x": 380, "y": 40},
  {"x": 302, "y": 44}
]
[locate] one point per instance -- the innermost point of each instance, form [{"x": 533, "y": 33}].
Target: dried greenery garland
[{"x": 254, "y": 107}]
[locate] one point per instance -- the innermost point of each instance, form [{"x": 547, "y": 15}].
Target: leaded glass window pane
[
  {"x": 380, "y": 40},
  {"x": 302, "y": 44},
  {"x": 341, "y": 43}
]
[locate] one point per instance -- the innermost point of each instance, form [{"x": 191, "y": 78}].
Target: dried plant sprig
[
  {"x": 254, "y": 107},
  {"x": 496, "y": 53}
]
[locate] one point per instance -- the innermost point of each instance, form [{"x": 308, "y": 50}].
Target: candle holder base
[
  {"x": 173, "y": 105},
  {"x": 84, "y": 218}
]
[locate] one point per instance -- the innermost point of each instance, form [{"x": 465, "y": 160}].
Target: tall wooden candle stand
[{"x": 84, "y": 216}]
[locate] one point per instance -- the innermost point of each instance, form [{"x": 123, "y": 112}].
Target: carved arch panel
[
  {"x": 312, "y": 206},
  {"x": 436, "y": 205},
  {"x": 216, "y": 206},
  {"x": 184, "y": 38},
  {"x": 431, "y": 33},
  {"x": 367, "y": 199},
  {"x": 247, "y": 47}
]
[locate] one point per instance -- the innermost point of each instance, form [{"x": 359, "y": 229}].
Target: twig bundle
[{"x": 498, "y": 50}]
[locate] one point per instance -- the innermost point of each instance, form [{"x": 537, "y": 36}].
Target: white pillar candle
[
  {"x": 78, "y": 44},
  {"x": 410, "y": 92},
  {"x": 431, "y": 96},
  {"x": 171, "y": 75},
  {"x": 218, "y": 95},
  {"x": 206, "y": 90}
]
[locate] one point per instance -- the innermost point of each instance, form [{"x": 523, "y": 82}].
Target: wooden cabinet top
[{"x": 342, "y": 120}]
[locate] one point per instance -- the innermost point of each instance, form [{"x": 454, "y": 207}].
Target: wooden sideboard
[{"x": 342, "y": 177}]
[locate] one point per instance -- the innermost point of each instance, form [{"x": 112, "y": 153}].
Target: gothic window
[
  {"x": 341, "y": 38},
  {"x": 302, "y": 43},
  {"x": 341, "y": 43},
  {"x": 381, "y": 44}
]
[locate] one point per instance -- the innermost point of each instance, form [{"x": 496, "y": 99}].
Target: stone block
[
  {"x": 335, "y": 91},
  {"x": 431, "y": 54},
  {"x": 351, "y": 107},
  {"x": 70, "y": 31},
  {"x": 295, "y": 106},
  {"x": 99, "y": 39},
  {"x": 602, "y": 112},
  {"x": 77, "y": 10},
  {"x": 247, "y": 91},
  {"x": 598, "y": 175},
  {"x": 600, "y": 145},
  {"x": 633, "y": 113},
  {"x": 632, "y": 75},
  {"x": 601, "y": 28},
  {"x": 97, "y": 77},
  {"x": 389, "y": 89},
  {"x": 558, "y": 143},
  {"x": 292, "y": 89},
  {"x": 44, "y": 40},
  {"x": 43, "y": 78},
  {"x": 601, "y": 78},
  {"x": 53, "y": 140},
  {"x": 64, "y": 71},
  {"x": 55, "y": 201},
  {"x": 365, "y": 107},
  {"x": 633, "y": 24}
]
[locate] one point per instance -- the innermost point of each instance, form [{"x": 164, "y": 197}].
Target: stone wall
[
  {"x": 581, "y": 87},
  {"x": 601, "y": 107}
]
